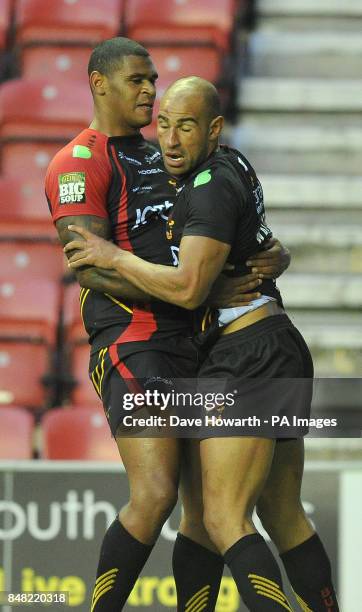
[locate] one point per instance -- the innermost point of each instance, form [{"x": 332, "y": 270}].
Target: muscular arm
[
  {"x": 91, "y": 277},
  {"x": 201, "y": 260}
]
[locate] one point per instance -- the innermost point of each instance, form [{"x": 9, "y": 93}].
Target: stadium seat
[
  {"x": 73, "y": 325},
  {"x": 22, "y": 366},
  {"x": 26, "y": 212},
  {"x": 83, "y": 392},
  {"x": 77, "y": 21},
  {"x": 183, "y": 21},
  {"x": 51, "y": 110},
  {"x": 5, "y": 7},
  {"x": 28, "y": 160},
  {"x": 29, "y": 309},
  {"x": 77, "y": 434},
  {"x": 16, "y": 431},
  {"x": 24, "y": 259},
  {"x": 37, "y": 62},
  {"x": 173, "y": 62}
]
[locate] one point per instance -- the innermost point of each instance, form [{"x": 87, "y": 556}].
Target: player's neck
[{"x": 106, "y": 124}]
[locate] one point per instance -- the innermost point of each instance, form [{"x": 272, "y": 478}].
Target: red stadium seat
[
  {"x": 174, "y": 62},
  {"x": 16, "y": 433},
  {"x": 5, "y": 6},
  {"x": 29, "y": 309},
  {"x": 78, "y": 21},
  {"x": 22, "y": 366},
  {"x": 26, "y": 260},
  {"x": 61, "y": 62},
  {"x": 83, "y": 392},
  {"x": 51, "y": 110},
  {"x": 77, "y": 434},
  {"x": 182, "y": 21},
  {"x": 26, "y": 211},
  {"x": 28, "y": 160}
]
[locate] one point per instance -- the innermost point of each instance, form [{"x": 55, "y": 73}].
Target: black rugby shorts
[
  {"x": 267, "y": 370},
  {"x": 117, "y": 377}
]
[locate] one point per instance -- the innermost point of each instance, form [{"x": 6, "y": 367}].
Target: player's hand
[
  {"x": 230, "y": 292},
  {"x": 271, "y": 262},
  {"x": 90, "y": 250}
]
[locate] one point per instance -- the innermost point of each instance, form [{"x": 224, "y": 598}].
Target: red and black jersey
[{"x": 122, "y": 179}]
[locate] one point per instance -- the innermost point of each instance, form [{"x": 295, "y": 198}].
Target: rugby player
[
  {"x": 218, "y": 220},
  {"x": 112, "y": 182}
]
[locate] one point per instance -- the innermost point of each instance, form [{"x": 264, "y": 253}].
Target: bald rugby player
[{"x": 219, "y": 219}]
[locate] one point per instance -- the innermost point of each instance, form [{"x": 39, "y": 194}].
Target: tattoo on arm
[{"x": 104, "y": 281}]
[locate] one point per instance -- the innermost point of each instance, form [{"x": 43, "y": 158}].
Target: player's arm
[
  {"x": 201, "y": 260},
  {"x": 91, "y": 277}
]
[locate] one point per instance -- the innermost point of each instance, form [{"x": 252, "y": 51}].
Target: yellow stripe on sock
[
  {"x": 302, "y": 603},
  {"x": 199, "y": 592},
  {"x": 202, "y": 605},
  {"x": 203, "y": 598},
  {"x": 270, "y": 595},
  {"x": 99, "y": 596},
  {"x": 264, "y": 585},
  {"x": 271, "y": 582},
  {"x": 111, "y": 571},
  {"x": 102, "y": 585}
]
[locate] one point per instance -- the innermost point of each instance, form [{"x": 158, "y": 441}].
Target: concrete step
[
  {"x": 335, "y": 8},
  {"x": 300, "y": 148},
  {"x": 321, "y": 291},
  {"x": 317, "y": 229},
  {"x": 305, "y": 54},
  {"x": 334, "y": 339},
  {"x": 320, "y": 241},
  {"x": 301, "y": 95},
  {"x": 329, "y": 330},
  {"x": 317, "y": 192}
]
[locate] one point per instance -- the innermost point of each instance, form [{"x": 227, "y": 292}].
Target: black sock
[
  {"x": 198, "y": 572},
  {"x": 257, "y": 575},
  {"x": 309, "y": 572},
  {"x": 121, "y": 560}
]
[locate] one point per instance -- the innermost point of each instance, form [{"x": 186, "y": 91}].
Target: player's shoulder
[
  {"x": 86, "y": 151},
  {"x": 215, "y": 173}
]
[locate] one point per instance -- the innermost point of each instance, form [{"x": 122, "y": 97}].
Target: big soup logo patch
[{"x": 72, "y": 188}]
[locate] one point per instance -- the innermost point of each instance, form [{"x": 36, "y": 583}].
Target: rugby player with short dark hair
[
  {"x": 112, "y": 182},
  {"x": 219, "y": 219}
]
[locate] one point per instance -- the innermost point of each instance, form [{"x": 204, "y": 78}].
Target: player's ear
[
  {"x": 97, "y": 82},
  {"x": 216, "y": 127}
]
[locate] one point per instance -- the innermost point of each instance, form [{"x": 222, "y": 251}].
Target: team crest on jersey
[{"x": 72, "y": 188}]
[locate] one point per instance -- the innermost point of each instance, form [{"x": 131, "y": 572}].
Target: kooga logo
[{"x": 76, "y": 516}]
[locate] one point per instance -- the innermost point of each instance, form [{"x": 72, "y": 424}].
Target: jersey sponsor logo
[
  {"x": 131, "y": 160},
  {"x": 82, "y": 151},
  {"x": 150, "y": 159},
  {"x": 151, "y": 171},
  {"x": 142, "y": 188},
  {"x": 72, "y": 188},
  {"x": 142, "y": 216},
  {"x": 203, "y": 178}
]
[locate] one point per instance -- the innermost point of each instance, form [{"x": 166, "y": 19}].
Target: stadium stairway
[
  {"x": 300, "y": 110},
  {"x": 300, "y": 105}
]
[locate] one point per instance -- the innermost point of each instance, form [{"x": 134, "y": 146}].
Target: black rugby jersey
[
  {"x": 122, "y": 179},
  {"x": 223, "y": 199}
]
